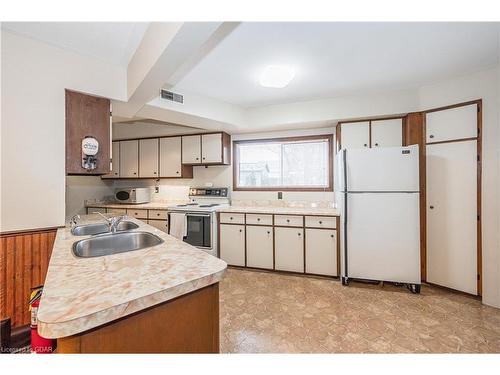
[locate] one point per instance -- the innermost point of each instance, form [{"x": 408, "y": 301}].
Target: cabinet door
[
  {"x": 191, "y": 149},
  {"x": 115, "y": 156},
  {"x": 355, "y": 135},
  {"x": 170, "y": 157},
  {"x": 129, "y": 159},
  {"x": 387, "y": 133},
  {"x": 259, "y": 246},
  {"x": 159, "y": 224},
  {"x": 148, "y": 158},
  {"x": 232, "y": 244},
  {"x": 321, "y": 252},
  {"x": 211, "y": 148},
  {"x": 450, "y": 124},
  {"x": 289, "y": 249},
  {"x": 452, "y": 215}
]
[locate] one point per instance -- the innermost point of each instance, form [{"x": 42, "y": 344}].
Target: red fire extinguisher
[{"x": 39, "y": 344}]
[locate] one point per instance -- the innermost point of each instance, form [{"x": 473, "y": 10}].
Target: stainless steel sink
[
  {"x": 98, "y": 228},
  {"x": 114, "y": 243}
]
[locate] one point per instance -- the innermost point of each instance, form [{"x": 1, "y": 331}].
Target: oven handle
[{"x": 199, "y": 215}]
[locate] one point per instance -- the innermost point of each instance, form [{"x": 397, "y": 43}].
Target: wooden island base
[{"x": 187, "y": 324}]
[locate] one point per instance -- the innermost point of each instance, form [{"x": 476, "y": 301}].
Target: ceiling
[
  {"x": 112, "y": 42},
  {"x": 334, "y": 59}
]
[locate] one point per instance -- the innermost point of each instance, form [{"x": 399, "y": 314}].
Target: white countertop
[{"x": 84, "y": 293}]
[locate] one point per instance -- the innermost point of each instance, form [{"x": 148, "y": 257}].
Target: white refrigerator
[{"x": 378, "y": 195}]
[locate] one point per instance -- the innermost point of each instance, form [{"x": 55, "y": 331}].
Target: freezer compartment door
[
  {"x": 383, "y": 237},
  {"x": 383, "y": 169}
]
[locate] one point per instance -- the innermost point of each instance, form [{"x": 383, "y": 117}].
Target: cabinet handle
[
  {"x": 268, "y": 232},
  {"x": 376, "y": 144},
  {"x": 331, "y": 235},
  {"x": 321, "y": 222},
  {"x": 231, "y": 218},
  {"x": 431, "y": 207},
  {"x": 287, "y": 220},
  {"x": 241, "y": 230},
  {"x": 365, "y": 145},
  {"x": 177, "y": 172},
  {"x": 197, "y": 158},
  {"x": 157, "y": 214},
  {"x": 135, "y": 173},
  {"x": 431, "y": 136},
  {"x": 258, "y": 219},
  {"x": 203, "y": 158},
  {"x": 299, "y": 234}
]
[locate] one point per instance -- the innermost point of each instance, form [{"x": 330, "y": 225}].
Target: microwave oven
[{"x": 133, "y": 195}]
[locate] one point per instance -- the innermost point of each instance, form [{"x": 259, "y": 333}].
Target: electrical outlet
[{"x": 280, "y": 195}]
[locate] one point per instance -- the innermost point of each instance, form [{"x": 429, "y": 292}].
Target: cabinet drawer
[
  {"x": 258, "y": 219},
  {"x": 321, "y": 222},
  {"x": 288, "y": 220},
  {"x": 232, "y": 218},
  {"x": 157, "y": 214},
  {"x": 118, "y": 211},
  {"x": 138, "y": 214}
]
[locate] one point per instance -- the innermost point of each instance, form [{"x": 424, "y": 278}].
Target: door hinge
[
  {"x": 110, "y": 114},
  {"x": 478, "y": 217},
  {"x": 478, "y": 277},
  {"x": 478, "y": 158}
]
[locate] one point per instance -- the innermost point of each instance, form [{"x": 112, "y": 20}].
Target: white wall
[
  {"x": 34, "y": 76},
  {"x": 80, "y": 188},
  {"x": 483, "y": 85}
]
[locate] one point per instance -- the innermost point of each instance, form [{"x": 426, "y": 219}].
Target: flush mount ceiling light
[{"x": 277, "y": 76}]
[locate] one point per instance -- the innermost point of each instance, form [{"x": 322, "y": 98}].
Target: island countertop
[{"x": 84, "y": 293}]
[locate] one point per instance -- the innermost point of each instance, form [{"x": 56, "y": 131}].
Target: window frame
[{"x": 327, "y": 137}]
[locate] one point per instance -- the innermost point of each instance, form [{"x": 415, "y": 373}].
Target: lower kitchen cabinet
[
  {"x": 232, "y": 244},
  {"x": 259, "y": 241},
  {"x": 289, "y": 249},
  {"x": 321, "y": 252},
  {"x": 159, "y": 224}
]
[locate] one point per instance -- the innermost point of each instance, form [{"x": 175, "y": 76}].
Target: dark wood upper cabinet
[{"x": 87, "y": 115}]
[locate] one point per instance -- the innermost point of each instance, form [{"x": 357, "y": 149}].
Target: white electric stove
[{"x": 201, "y": 218}]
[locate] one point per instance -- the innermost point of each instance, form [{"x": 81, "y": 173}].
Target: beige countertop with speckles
[{"x": 84, "y": 293}]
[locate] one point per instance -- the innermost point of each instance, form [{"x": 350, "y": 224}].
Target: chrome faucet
[
  {"x": 74, "y": 220},
  {"x": 112, "y": 221}
]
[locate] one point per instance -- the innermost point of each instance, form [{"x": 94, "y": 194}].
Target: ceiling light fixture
[{"x": 277, "y": 76}]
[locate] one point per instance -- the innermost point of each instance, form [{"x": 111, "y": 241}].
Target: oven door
[{"x": 199, "y": 230}]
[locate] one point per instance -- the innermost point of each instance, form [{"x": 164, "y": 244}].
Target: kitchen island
[{"x": 161, "y": 299}]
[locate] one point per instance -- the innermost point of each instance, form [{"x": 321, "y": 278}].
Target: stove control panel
[{"x": 208, "y": 192}]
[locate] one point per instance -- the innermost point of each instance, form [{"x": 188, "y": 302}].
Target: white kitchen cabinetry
[
  {"x": 232, "y": 244},
  {"x": 129, "y": 159},
  {"x": 170, "y": 157},
  {"x": 115, "y": 161},
  {"x": 289, "y": 249},
  {"x": 259, "y": 241},
  {"x": 321, "y": 252},
  {"x": 211, "y": 148},
  {"x": 148, "y": 158},
  {"x": 355, "y": 134},
  {"x": 451, "y": 124},
  {"x": 452, "y": 215},
  {"x": 191, "y": 149},
  {"x": 387, "y": 133}
]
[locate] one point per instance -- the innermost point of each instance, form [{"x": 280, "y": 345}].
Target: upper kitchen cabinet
[
  {"x": 171, "y": 159},
  {"x": 148, "y": 158},
  {"x": 371, "y": 133},
  {"x": 387, "y": 133},
  {"x": 115, "y": 161},
  {"x": 355, "y": 134},
  {"x": 87, "y": 117},
  {"x": 206, "y": 149},
  {"x": 191, "y": 149},
  {"x": 129, "y": 159},
  {"x": 451, "y": 124}
]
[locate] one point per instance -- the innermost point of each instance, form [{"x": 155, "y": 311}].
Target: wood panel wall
[{"x": 24, "y": 259}]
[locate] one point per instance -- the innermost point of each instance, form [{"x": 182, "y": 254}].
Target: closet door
[
  {"x": 355, "y": 135},
  {"x": 387, "y": 133},
  {"x": 452, "y": 215}
]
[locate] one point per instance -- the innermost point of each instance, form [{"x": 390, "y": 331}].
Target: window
[{"x": 299, "y": 163}]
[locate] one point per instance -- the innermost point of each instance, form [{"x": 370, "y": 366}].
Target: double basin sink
[{"x": 104, "y": 242}]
